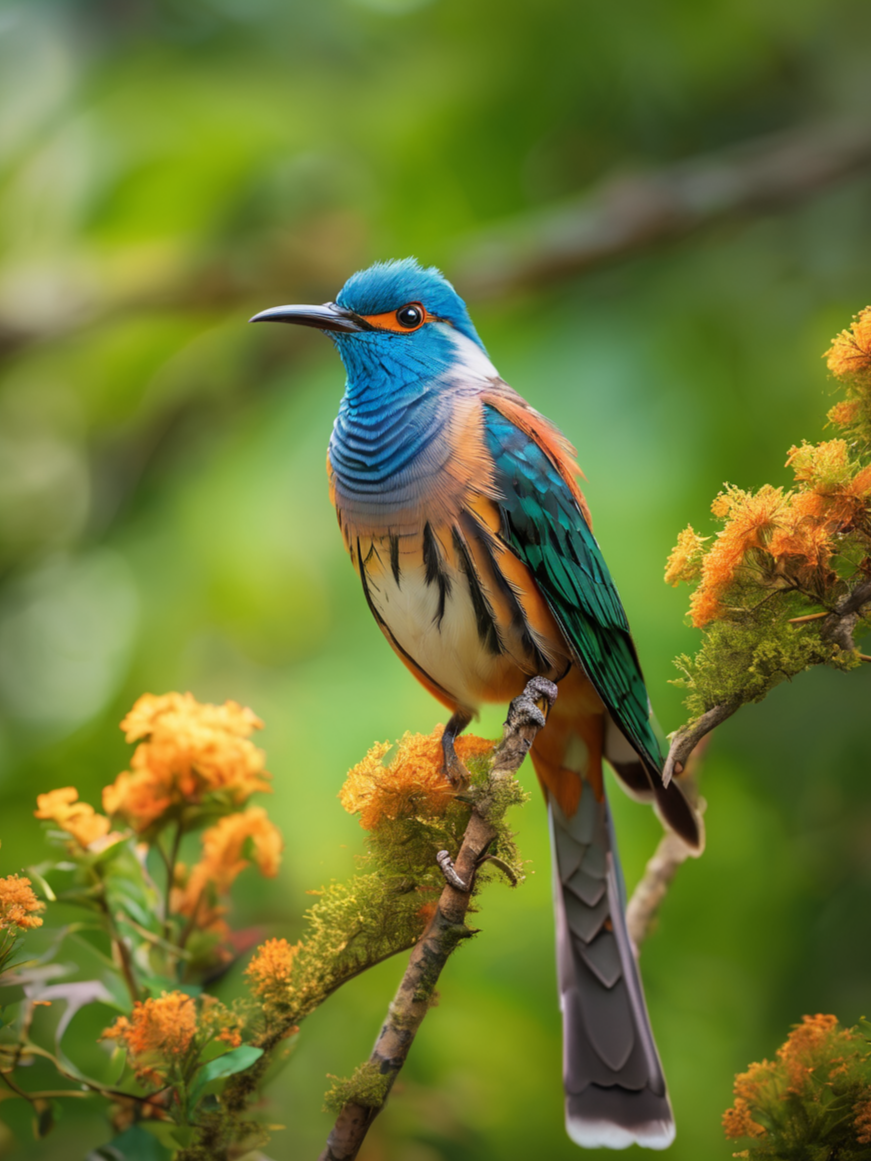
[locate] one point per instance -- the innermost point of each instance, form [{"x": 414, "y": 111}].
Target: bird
[{"x": 461, "y": 509}]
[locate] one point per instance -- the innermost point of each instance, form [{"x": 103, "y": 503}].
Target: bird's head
[{"x": 393, "y": 316}]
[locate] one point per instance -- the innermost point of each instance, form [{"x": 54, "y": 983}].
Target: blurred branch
[
  {"x": 671, "y": 852},
  {"x": 526, "y": 715},
  {"x": 629, "y": 213}
]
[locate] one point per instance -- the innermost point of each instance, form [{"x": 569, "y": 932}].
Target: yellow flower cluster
[
  {"x": 849, "y": 356},
  {"x": 790, "y": 539},
  {"x": 78, "y": 819},
  {"x": 411, "y": 784},
  {"x": 817, "y": 1054},
  {"x": 18, "y": 904},
  {"x": 781, "y": 539},
  {"x": 223, "y": 860},
  {"x": 270, "y": 969},
  {"x": 157, "y": 1035},
  {"x": 188, "y": 753}
]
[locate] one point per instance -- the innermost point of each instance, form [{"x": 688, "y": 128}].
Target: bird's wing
[{"x": 545, "y": 521}]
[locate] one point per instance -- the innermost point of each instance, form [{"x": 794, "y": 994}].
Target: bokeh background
[{"x": 167, "y": 169}]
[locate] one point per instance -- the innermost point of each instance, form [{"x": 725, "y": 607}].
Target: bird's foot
[
  {"x": 533, "y": 705},
  {"x": 446, "y": 866},
  {"x": 454, "y": 770}
]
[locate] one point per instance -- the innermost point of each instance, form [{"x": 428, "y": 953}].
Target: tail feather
[{"x": 615, "y": 1088}]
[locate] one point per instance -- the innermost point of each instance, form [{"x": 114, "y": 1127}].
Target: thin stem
[
  {"x": 170, "y": 877},
  {"x": 125, "y": 960}
]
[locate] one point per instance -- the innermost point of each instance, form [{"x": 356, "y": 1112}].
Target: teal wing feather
[{"x": 544, "y": 526}]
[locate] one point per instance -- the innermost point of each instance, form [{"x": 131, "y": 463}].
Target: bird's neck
[{"x": 383, "y": 425}]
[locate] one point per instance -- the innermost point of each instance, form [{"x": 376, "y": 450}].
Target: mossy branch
[{"x": 365, "y": 1094}]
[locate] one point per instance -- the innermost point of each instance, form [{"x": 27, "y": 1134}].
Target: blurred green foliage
[{"x": 167, "y": 168}]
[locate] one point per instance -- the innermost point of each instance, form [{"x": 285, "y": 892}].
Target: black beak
[{"x": 329, "y": 317}]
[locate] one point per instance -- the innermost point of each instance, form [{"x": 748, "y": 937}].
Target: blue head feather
[
  {"x": 389, "y": 285},
  {"x": 394, "y": 403}
]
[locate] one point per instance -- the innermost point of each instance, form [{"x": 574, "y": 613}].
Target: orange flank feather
[{"x": 569, "y": 752}]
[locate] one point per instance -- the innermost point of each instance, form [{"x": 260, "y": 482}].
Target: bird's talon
[
  {"x": 457, "y": 774},
  {"x": 446, "y": 866}
]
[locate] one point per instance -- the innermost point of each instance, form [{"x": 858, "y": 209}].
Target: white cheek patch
[{"x": 470, "y": 357}]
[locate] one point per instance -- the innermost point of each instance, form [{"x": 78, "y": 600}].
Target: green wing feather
[{"x": 545, "y": 527}]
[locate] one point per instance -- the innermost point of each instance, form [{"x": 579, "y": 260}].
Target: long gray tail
[{"x": 615, "y": 1089}]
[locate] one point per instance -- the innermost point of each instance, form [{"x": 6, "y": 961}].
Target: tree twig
[
  {"x": 686, "y": 752},
  {"x": 629, "y": 213},
  {"x": 671, "y": 852},
  {"x": 685, "y": 740},
  {"x": 527, "y": 714}
]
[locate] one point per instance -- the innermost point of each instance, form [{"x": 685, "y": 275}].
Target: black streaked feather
[
  {"x": 484, "y": 618},
  {"x": 386, "y": 628},
  {"x": 435, "y": 571},
  {"x": 394, "y": 557},
  {"x": 472, "y": 527}
]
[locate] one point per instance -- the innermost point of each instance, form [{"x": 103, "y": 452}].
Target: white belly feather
[{"x": 450, "y": 650}]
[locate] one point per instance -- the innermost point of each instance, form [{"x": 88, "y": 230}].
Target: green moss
[
  {"x": 368, "y": 1087},
  {"x": 742, "y": 660}
]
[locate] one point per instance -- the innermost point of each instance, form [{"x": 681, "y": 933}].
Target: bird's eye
[{"x": 410, "y": 316}]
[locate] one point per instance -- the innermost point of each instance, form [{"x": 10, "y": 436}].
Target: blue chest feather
[{"x": 393, "y": 408}]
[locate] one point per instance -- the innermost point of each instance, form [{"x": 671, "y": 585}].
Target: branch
[
  {"x": 685, "y": 740},
  {"x": 686, "y": 752},
  {"x": 526, "y": 716},
  {"x": 840, "y": 625},
  {"x": 647, "y": 897},
  {"x": 630, "y": 213}
]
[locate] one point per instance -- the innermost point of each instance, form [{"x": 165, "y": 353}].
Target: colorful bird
[{"x": 460, "y": 508}]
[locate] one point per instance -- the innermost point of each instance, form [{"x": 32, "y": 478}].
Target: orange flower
[
  {"x": 849, "y": 356},
  {"x": 191, "y": 752},
  {"x": 222, "y": 857},
  {"x": 685, "y": 562},
  {"x": 78, "y": 819},
  {"x": 803, "y": 1050},
  {"x": 271, "y": 968},
  {"x": 748, "y": 1085},
  {"x": 737, "y": 1121},
  {"x": 845, "y": 412},
  {"x": 18, "y": 904},
  {"x": 412, "y": 784},
  {"x": 158, "y": 1034},
  {"x": 752, "y": 518}
]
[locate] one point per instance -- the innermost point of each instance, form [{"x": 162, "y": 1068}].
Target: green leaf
[
  {"x": 223, "y": 1066},
  {"x": 134, "y": 1144},
  {"x": 231, "y": 1062}
]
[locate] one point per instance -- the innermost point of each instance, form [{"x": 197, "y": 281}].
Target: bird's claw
[{"x": 446, "y": 866}]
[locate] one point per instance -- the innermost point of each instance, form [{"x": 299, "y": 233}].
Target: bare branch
[
  {"x": 685, "y": 740},
  {"x": 651, "y": 890},
  {"x": 670, "y": 853},
  {"x": 526, "y": 715},
  {"x": 629, "y": 213}
]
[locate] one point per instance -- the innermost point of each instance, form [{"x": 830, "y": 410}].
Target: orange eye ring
[{"x": 404, "y": 321}]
